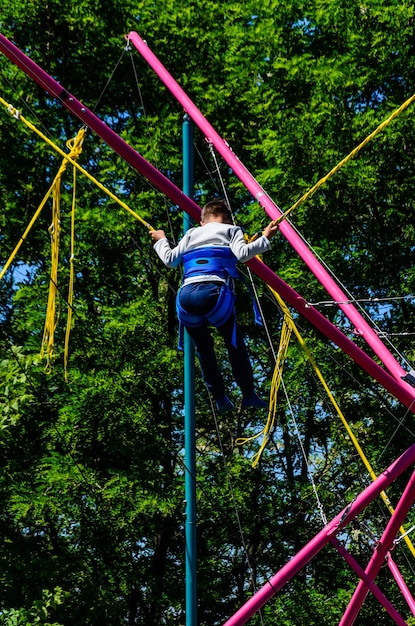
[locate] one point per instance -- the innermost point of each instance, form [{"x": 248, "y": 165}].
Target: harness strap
[
  {"x": 255, "y": 307},
  {"x": 220, "y": 313},
  {"x": 216, "y": 260}
]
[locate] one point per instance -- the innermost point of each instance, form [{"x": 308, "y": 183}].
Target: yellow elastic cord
[
  {"x": 50, "y": 319},
  {"x": 275, "y": 385},
  {"x": 340, "y": 414},
  {"x": 267, "y": 430},
  {"x": 26, "y": 232},
  {"x": 71, "y": 279},
  {"x": 15, "y": 113},
  {"x": 350, "y": 156},
  {"x": 75, "y": 147},
  {"x": 48, "y": 340}
]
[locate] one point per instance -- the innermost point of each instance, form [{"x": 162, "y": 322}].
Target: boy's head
[{"x": 216, "y": 211}]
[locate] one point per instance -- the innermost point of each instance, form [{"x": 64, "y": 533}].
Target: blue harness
[
  {"x": 213, "y": 261},
  {"x": 217, "y": 260}
]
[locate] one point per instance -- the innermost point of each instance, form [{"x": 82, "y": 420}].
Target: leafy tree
[
  {"x": 92, "y": 468},
  {"x": 37, "y": 614}
]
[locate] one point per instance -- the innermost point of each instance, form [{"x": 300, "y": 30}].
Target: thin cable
[
  {"x": 28, "y": 107},
  {"x": 383, "y": 333},
  {"x": 407, "y": 412},
  {"x": 225, "y": 194},
  {"x": 291, "y": 412},
  {"x": 150, "y": 136},
  {"x": 328, "y": 303},
  {"x": 205, "y": 166},
  {"x": 109, "y": 80},
  {"x": 352, "y": 299},
  {"x": 408, "y": 532},
  {"x": 260, "y": 307},
  {"x": 140, "y": 95},
  {"x": 378, "y": 397}
]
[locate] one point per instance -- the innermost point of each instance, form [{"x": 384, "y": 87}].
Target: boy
[{"x": 209, "y": 255}]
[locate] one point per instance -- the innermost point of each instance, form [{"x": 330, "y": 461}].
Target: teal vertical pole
[{"x": 189, "y": 409}]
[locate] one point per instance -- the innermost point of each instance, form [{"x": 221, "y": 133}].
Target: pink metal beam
[
  {"x": 380, "y": 552},
  {"x": 401, "y": 583},
  {"x": 403, "y": 392},
  {"x": 86, "y": 116},
  {"x": 305, "y": 555},
  {"x": 270, "y": 207},
  {"x": 400, "y": 390},
  {"x": 371, "y": 585}
]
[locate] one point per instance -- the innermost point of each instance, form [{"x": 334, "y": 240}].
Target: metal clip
[{"x": 14, "y": 112}]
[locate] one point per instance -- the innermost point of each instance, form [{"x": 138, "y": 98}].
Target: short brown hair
[{"x": 216, "y": 207}]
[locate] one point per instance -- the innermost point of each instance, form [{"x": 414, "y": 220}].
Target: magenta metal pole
[
  {"x": 398, "y": 388},
  {"x": 371, "y": 585},
  {"x": 361, "y": 326},
  {"x": 92, "y": 121},
  {"x": 401, "y": 583},
  {"x": 380, "y": 552},
  {"x": 322, "y": 539},
  {"x": 401, "y": 391}
]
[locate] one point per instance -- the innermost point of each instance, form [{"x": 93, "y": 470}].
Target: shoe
[
  {"x": 254, "y": 401},
  {"x": 223, "y": 404}
]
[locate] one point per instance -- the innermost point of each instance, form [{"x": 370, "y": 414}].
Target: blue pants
[{"x": 199, "y": 299}]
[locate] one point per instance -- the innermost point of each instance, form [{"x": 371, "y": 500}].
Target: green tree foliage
[
  {"x": 37, "y": 614},
  {"x": 92, "y": 468}
]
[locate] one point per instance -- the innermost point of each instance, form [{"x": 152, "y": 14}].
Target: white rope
[
  {"x": 408, "y": 532},
  {"x": 327, "y": 303}
]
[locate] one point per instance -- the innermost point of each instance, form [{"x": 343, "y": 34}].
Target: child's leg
[
  {"x": 238, "y": 357},
  {"x": 207, "y": 358},
  {"x": 198, "y": 299}
]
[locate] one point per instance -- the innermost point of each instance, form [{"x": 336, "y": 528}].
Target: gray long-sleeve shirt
[{"x": 211, "y": 234}]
